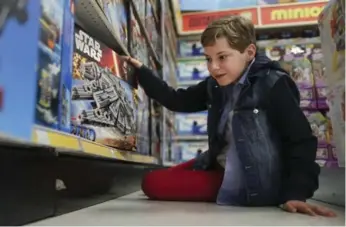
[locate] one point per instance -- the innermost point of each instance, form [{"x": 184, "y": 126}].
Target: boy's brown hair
[{"x": 239, "y": 32}]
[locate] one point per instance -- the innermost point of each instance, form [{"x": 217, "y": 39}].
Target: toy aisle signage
[{"x": 262, "y": 16}]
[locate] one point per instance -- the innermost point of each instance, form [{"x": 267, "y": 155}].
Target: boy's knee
[{"x": 150, "y": 183}]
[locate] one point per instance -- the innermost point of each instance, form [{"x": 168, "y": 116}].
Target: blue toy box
[
  {"x": 19, "y": 34},
  {"x": 192, "y": 70},
  {"x": 188, "y": 48},
  {"x": 64, "y": 115},
  {"x": 185, "y": 151},
  {"x": 55, "y": 64},
  {"x": 191, "y": 124}
]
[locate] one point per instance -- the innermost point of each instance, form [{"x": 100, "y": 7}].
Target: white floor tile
[{"x": 135, "y": 209}]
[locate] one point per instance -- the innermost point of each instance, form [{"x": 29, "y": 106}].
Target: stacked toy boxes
[
  {"x": 191, "y": 129},
  {"x": 303, "y": 59},
  {"x": 103, "y": 102},
  {"x": 332, "y": 28},
  {"x": 55, "y": 64},
  {"x": 48, "y": 30}
]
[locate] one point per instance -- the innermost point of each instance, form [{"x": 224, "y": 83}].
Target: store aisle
[{"x": 134, "y": 210}]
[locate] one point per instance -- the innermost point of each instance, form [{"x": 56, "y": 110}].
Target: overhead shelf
[
  {"x": 91, "y": 18},
  {"x": 74, "y": 144}
]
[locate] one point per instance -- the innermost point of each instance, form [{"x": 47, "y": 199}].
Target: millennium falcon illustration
[{"x": 111, "y": 107}]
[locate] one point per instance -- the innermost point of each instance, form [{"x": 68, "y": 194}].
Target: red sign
[
  {"x": 291, "y": 13},
  {"x": 196, "y": 22}
]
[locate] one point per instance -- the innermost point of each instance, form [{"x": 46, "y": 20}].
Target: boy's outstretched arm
[
  {"x": 192, "y": 99},
  {"x": 300, "y": 171}
]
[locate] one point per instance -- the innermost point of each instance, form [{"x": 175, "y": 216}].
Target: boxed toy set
[
  {"x": 103, "y": 105},
  {"x": 191, "y": 124},
  {"x": 49, "y": 73},
  {"x": 192, "y": 70},
  {"x": 64, "y": 116},
  {"x": 138, "y": 47},
  {"x": 332, "y": 29},
  {"x": 152, "y": 30},
  {"x": 19, "y": 30},
  {"x": 188, "y": 48},
  {"x": 142, "y": 122},
  {"x": 185, "y": 151},
  {"x": 116, "y": 13}
]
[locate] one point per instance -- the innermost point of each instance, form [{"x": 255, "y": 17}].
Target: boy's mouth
[{"x": 218, "y": 76}]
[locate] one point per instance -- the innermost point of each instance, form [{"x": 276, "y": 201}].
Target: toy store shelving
[
  {"x": 91, "y": 17},
  {"x": 290, "y": 28}
]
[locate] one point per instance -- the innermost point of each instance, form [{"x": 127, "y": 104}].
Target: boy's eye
[
  {"x": 208, "y": 59},
  {"x": 223, "y": 57}
]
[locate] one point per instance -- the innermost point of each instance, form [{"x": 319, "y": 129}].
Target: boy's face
[{"x": 226, "y": 64}]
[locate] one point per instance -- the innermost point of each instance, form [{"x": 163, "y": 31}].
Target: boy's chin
[{"x": 224, "y": 81}]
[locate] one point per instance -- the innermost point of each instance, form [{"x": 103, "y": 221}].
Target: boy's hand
[
  {"x": 295, "y": 206},
  {"x": 134, "y": 62}
]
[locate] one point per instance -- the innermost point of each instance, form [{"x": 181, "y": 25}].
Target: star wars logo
[{"x": 88, "y": 45}]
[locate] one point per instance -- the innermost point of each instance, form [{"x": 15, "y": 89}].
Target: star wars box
[
  {"x": 55, "y": 64},
  {"x": 19, "y": 30},
  {"x": 191, "y": 124},
  {"x": 104, "y": 106}
]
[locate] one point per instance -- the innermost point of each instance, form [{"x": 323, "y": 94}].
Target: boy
[{"x": 261, "y": 148}]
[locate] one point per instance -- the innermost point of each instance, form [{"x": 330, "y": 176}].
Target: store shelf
[
  {"x": 91, "y": 18},
  {"x": 195, "y": 137},
  {"x": 64, "y": 141},
  {"x": 145, "y": 33}
]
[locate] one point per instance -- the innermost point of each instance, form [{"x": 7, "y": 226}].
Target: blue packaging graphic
[
  {"x": 142, "y": 123},
  {"x": 188, "y": 48},
  {"x": 19, "y": 30},
  {"x": 191, "y": 124},
  {"x": 207, "y": 5},
  {"x": 192, "y": 70},
  {"x": 185, "y": 151},
  {"x": 64, "y": 115},
  {"x": 49, "y": 63}
]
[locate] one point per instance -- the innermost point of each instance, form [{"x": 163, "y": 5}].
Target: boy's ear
[{"x": 251, "y": 51}]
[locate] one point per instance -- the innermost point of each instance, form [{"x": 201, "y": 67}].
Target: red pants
[{"x": 181, "y": 183}]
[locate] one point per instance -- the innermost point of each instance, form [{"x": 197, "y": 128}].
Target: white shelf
[
  {"x": 196, "y": 137},
  {"x": 91, "y": 18}
]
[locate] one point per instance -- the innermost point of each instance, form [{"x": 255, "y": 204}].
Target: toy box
[
  {"x": 192, "y": 70},
  {"x": 138, "y": 47},
  {"x": 116, "y": 13},
  {"x": 191, "y": 124},
  {"x": 270, "y": 2},
  {"x": 142, "y": 122},
  {"x": 318, "y": 69},
  {"x": 297, "y": 63},
  {"x": 64, "y": 116},
  {"x": 189, "y": 48},
  {"x": 319, "y": 125},
  {"x": 103, "y": 105},
  {"x": 152, "y": 30},
  {"x": 206, "y": 5},
  {"x": 185, "y": 151},
  {"x": 19, "y": 30},
  {"x": 140, "y": 6},
  {"x": 50, "y": 63}
]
